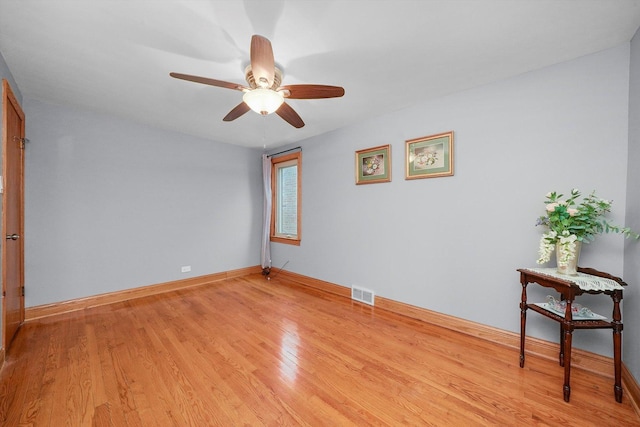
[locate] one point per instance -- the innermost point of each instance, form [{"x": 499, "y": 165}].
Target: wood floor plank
[{"x": 246, "y": 351}]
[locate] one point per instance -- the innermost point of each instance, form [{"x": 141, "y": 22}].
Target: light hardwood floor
[{"x": 247, "y": 351}]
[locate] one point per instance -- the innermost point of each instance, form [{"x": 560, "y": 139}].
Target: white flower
[
  {"x": 566, "y": 248},
  {"x": 546, "y": 246}
]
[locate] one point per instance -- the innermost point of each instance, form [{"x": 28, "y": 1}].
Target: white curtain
[{"x": 266, "y": 214}]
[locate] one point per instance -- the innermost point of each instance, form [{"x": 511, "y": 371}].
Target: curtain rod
[{"x": 285, "y": 151}]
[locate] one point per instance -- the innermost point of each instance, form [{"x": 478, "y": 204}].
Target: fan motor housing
[{"x": 251, "y": 81}]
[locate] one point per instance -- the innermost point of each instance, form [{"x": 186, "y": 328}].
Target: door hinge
[
  {"x": 21, "y": 141},
  {"x": 23, "y": 291}
]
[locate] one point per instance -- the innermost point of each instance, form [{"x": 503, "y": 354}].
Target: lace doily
[{"x": 586, "y": 282}]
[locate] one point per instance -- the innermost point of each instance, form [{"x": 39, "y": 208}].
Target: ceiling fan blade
[
  {"x": 311, "y": 91},
  {"x": 288, "y": 114},
  {"x": 208, "y": 81},
  {"x": 239, "y": 110},
  {"x": 263, "y": 65}
]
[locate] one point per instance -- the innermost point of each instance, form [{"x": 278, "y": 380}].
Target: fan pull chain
[{"x": 264, "y": 132}]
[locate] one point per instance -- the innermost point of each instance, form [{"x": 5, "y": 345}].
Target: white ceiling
[{"x": 114, "y": 56}]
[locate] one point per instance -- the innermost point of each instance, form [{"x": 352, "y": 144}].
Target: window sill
[{"x": 295, "y": 242}]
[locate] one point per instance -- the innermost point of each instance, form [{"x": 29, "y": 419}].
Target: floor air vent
[{"x": 363, "y": 295}]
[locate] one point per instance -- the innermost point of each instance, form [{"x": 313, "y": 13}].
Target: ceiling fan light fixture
[
  {"x": 263, "y": 101},
  {"x": 264, "y": 95}
]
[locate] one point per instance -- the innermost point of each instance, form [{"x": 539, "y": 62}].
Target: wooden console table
[{"x": 588, "y": 281}]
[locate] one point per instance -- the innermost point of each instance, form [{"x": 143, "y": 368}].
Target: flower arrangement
[
  {"x": 570, "y": 221},
  {"x": 372, "y": 165}
]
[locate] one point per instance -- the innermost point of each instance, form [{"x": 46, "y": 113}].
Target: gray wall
[
  {"x": 113, "y": 205},
  {"x": 453, "y": 244},
  {"x": 632, "y": 253},
  {"x": 5, "y": 73}
]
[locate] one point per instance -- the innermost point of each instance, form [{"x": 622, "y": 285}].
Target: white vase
[{"x": 571, "y": 268}]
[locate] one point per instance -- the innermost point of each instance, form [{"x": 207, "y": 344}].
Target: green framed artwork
[
  {"x": 429, "y": 156},
  {"x": 373, "y": 165}
]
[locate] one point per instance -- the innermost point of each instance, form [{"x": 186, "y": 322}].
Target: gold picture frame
[
  {"x": 429, "y": 156},
  {"x": 373, "y": 165}
]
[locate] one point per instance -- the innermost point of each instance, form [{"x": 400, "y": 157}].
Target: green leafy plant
[{"x": 570, "y": 220}]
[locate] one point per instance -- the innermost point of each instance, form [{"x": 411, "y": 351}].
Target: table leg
[
  {"x": 568, "y": 334},
  {"x": 567, "y": 325},
  {"x": 561, "y": 355},
  {"x": 523, "y": 321},
  {"x": 617, "y": 345},
  {"x": 617, "y": 387}
]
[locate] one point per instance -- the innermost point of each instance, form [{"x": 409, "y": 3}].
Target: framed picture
[
  {"x": 373, "y": 165},
  {"x": 429, "y": 156}
]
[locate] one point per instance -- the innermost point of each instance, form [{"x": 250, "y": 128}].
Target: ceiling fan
[{"x": 264, "y": 95}]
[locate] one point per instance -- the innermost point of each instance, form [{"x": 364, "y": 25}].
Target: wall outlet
[{"x": 185, "y": 268}]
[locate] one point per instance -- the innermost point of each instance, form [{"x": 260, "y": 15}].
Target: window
[{"x": 285, "y": 193}]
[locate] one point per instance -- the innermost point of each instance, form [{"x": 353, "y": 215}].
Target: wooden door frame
[{"x": 9, "y": 100}]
